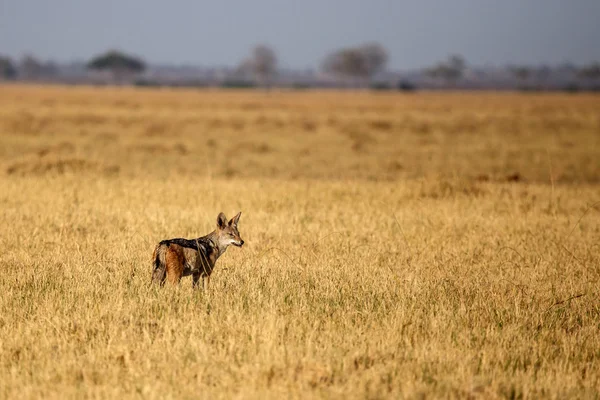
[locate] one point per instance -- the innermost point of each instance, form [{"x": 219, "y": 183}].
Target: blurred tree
[
  {"x": 375, "y": 56},
  {"x": 7, "y": 68},
  {"x": 265, "y": 62},
  {"x": 450, "y": 70},
  {"x": 591, "y": 72},
  {"x": 30, "y": 67},
  {"x": 522, "y": 73},
  {"x": 49, "y": 68},
  {"x": 361, "y": 62},
  {"x": 345, "y": 63},
  {"x": 262, "y": 63},
  {"x": 542, "y": 75},
  {"x": 119, "y": 64}
]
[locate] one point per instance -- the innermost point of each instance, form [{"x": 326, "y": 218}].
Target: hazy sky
[{"x": 221, "y": 32}]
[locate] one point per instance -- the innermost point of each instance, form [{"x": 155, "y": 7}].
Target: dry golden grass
[{"x": 427, "y": 245}]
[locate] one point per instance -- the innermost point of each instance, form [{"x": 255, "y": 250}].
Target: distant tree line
[
  {"x": 7, "y": 68},
  {"x": 357, "y": 66},
  {"x": 591, "y": 71},
  {"x": 28, "y": 67}
]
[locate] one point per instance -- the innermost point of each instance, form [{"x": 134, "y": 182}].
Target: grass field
[{"x": 397, "y": 246}]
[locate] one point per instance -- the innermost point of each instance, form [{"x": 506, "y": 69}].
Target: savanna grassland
[{"x": 437, "y": 245}]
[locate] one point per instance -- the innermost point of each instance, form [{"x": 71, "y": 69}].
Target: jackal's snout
[{"x": 237, "y": 240}]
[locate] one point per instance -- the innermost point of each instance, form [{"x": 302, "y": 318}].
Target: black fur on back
[{"x": 195, "y": 244}]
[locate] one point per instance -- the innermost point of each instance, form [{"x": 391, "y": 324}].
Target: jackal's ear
[
  {"x": 221, "y": 221},
  {"x": 234, "y": 221}
]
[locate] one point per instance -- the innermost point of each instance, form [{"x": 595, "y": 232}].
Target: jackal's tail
[{"x": 159, "y": 266}]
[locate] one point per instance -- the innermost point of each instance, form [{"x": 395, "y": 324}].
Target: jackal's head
[{"x": 227, "y": 232}]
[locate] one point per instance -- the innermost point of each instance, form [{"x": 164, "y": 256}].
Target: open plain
[{"x": 440, "y": 245}]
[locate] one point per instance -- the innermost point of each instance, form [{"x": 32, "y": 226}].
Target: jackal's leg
[
  {"x": 173, "y": 277},
  {"x": 205, "y": 283},
  {"x": 195, "y": 279},
  {"x": 175, "y": 263}
]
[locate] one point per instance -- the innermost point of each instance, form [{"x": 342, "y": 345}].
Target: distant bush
[
  {"x": 406, "y": 86},
  {"x": 300, "y": 86},
  {"x": 146, "y": 83},
  {"x": 380, "y": 86},
  {"x": 571, "y": 88},
  {"x": 529, "y": 88},
  {"x": 237, "y": 84},
  {"x": 194, "y": 83}
]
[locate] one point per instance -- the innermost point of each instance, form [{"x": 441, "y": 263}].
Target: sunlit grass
[{"x": 396, "y": 246}]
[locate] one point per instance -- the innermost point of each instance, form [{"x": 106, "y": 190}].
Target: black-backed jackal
[{"x": 176, "y": 258}]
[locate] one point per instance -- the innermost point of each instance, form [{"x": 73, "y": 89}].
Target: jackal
[{"x": 174, "y": 258}]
